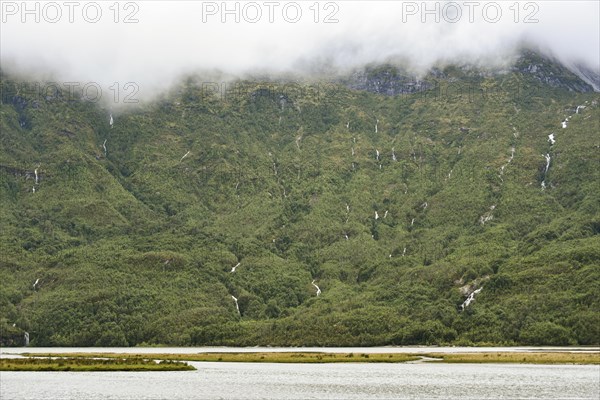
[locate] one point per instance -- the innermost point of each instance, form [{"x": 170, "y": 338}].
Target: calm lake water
[{"x": 309, "y": 381}]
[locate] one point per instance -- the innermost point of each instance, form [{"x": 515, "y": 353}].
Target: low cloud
[{"x": 152, "y": 43}]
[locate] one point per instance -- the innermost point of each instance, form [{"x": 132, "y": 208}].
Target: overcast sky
[{"x": 90, "y": 41}]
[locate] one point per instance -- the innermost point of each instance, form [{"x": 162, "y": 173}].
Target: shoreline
[
  {"x": 90, "y": 364},
  {"x": 304, "y": 357},
  {"x": 416, "y": 349}
]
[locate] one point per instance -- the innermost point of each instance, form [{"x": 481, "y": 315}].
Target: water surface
[{"x": 216, "y": 380}]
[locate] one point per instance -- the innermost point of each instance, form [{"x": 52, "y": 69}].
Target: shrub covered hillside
[{"x": 460, "y": 211}]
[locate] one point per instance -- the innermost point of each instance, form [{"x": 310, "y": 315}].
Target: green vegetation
[
  {"x": 136, "y": 246},
  {"x": 269, "y": 357},
  {"x": 89, "y": 364},
  {"x": 321, "y": 357},
  {"x": 520, "y": 358}
]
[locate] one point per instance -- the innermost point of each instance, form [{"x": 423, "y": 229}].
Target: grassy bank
[
  {"x": 267, "y": 357},
  {"x": 520, "y": 358},
  {"x": 318, "y": 357},
  {"x": 90, "y": 364}
]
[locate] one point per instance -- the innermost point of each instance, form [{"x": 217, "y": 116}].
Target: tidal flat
[{"x": 579, "y": 358}]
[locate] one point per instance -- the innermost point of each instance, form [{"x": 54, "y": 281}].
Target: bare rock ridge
[{"x": 390, "y": 80}]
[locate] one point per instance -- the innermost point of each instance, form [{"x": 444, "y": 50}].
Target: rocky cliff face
[
  {"x": 551, "y": 72},
  {"x": 588, "y": 75},
  {"x": 390, "y": 80},
  {"x": 386, "y": 80}
]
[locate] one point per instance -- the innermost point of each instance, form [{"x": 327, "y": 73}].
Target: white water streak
[
  {"x": 316, "y": 287},
  {"x": 470, "y": 299},
  {"x": 502, "y": 168},
  {"x": 547, "y": 156},
  {"x": 184, "y": 156},
  {"x": 488, "y": 216},
  {"x": 237, "y": 307}
]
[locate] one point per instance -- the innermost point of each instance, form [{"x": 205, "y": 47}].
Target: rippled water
[{"x": 313, "y": 381}]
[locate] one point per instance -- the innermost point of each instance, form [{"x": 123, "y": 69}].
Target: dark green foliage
[{"x": 136, "y": 246}]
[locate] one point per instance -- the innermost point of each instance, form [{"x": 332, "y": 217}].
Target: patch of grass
[
  {"x": 520, "y": 358},
  {"x": 90, "y": 364},
  {"x": 265, "y": 357},
  {"x": 320, "y": 357}
]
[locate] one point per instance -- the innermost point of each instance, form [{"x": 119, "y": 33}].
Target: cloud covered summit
[{"x": 152, "y": 43}]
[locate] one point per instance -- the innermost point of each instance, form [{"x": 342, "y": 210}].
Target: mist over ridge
[{"x": 155, "y": 46}]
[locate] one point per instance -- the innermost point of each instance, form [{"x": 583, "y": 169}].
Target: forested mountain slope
[{"x": 396, "y": 205}]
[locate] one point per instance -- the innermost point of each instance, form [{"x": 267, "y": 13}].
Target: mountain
[
  {"x": 588, "y": 75},
  {"x": 392, "y": 80},
  {"x": 462, "y": 210}
]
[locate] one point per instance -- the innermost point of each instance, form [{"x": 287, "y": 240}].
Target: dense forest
[{"x": 461, "y": 210}]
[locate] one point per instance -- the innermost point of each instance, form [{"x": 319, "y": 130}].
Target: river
[{"x": 309, "y": 381}]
